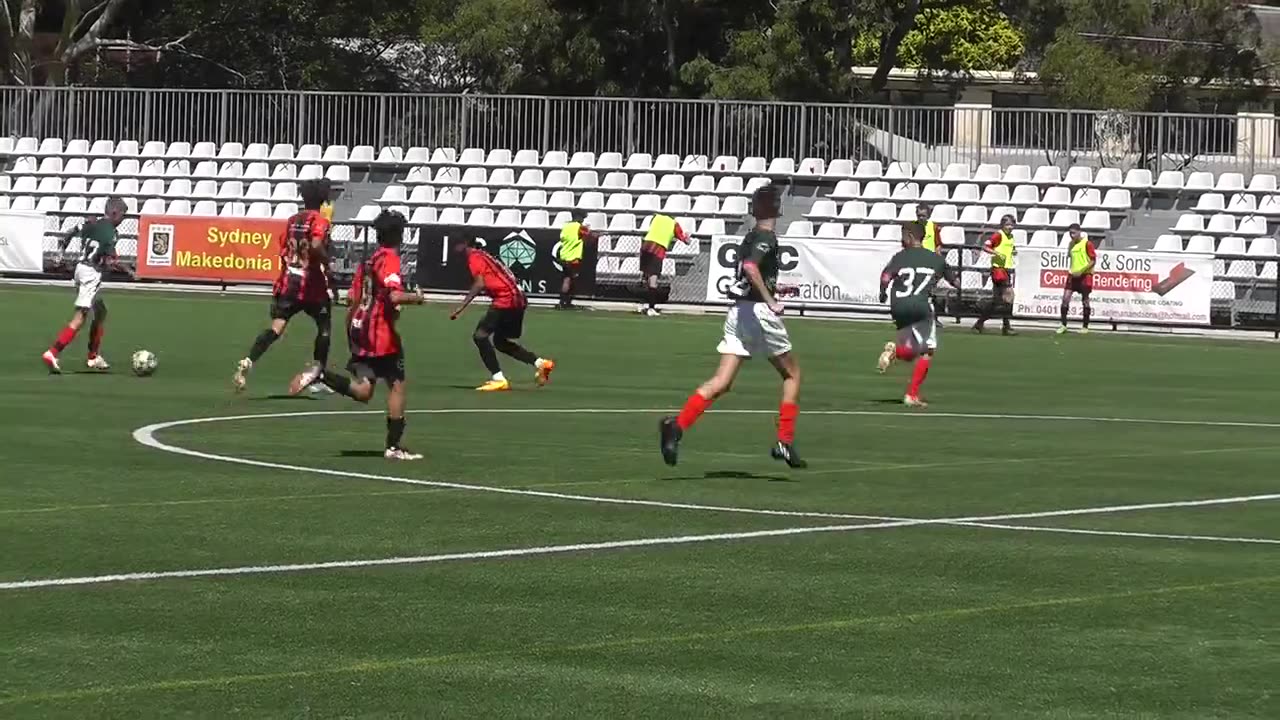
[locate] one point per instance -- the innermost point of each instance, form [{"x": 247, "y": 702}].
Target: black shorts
[
  {"x": 377, "y": 367},
  {"x": 284, "y": 308},
  {"x": 507, "y": 323},
  {"x": 571, "y": 268},
  {"x": 650, "y": 264},
  {"x": 1080, "y": 285}
]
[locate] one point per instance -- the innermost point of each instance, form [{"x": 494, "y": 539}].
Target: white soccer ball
[{"x": 144, "y": 363}]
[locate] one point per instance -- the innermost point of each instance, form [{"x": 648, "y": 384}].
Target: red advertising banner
[{"x": 232, "y": 250}]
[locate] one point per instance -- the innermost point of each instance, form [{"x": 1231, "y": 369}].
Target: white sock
[
  {"x": 499, "y": 377},
  {"x": 539, "y": 363}
]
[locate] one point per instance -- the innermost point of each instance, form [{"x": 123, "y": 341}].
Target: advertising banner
[
  {"x": 21, "y": 242},
  {"x": 843, "y": 273},
  {"x": 1133, "y": 286},
  {"x": 531, "y": 255},
  {"x": 232, "y": 250}
]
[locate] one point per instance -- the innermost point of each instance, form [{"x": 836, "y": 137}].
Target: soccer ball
[{"x": 144, "y": 363}]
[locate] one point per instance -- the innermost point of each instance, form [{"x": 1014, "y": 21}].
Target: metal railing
[{"x": 964, "y": 134}]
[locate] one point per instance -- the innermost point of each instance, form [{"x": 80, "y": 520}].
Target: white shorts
[
  {"x": 88, "y": 283},
  {"x": 751, "y": 329}
]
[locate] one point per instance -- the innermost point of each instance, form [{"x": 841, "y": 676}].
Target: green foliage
[
  {"x": 972, "y": 36},
  {"x": 1078, "y": 73}
]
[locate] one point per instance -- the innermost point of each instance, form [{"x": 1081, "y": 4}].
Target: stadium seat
[
  {"x": 475, "y": 196},
  {"x": 853, "y": 210},
  {"x": 182, "y": 168},
  {"x": 153, "y": 169},
  {"x": 472, "y": 157},
  {"x": 906, "y": 191},
  {"x": 671, "y": 183},
  {"x": 179, "y": 188},
  {"x": 1220, "y": 223},
  {"x": 822, "y": 209},
  {"x": 452, "y": 216},
  {"x": 846, "y": 190},
  {"x": 622, "y": 223},
  {"x": 1096, "y": 221},
  {"x": 256, "y": 151},
  {"x": 907, "y": 213},
  {"x": 1117, "y": 200},
  {"x": 340, "y": 174},
  {"x": 205, "y": 189},
  {"x": 397, "y": 156},
  {"x": 883, "y": 212},
  {"x": 735, "y": 206},
  {"x": 1230, "y": 182},
  {"x": 229, "y": 190},
  {"x": 1079, "y": 176},
  {"x": 711, "y": 227},
  {"x": 1200, "y": 245},
  {"x": 1168, "y": 243},
  {"x": 619, "y": 202},
  {"x": 1199, "y": 182},
  {"x": 480, "y": 217},
  {"x": 1139, "y": 179},
  {"x": 581, "y": 160},
  {"x": 609, "y": 161},
  {"x": 889, "y": 233},
  {"x": 1210, "y": 203},
  {"x": 1000, "y": 211},
  {"x": 284, "y": 211},
  {"x": 644, "y": 182},
  {"x": 473, "y": 176},
  {"x": 783, "y": 166},
  {"x": 707, "y": 205},
  {"x": 1025, "y": 196},
  {"x": 1108, "y": 178},
  {"x": 1056, "y": 197},
  {"x": 1189, "y": 223},
  {"x": 934, "y": 193},
  {"x": 1268, "y": 271},
  {"x": 258, "y": 210},
  {"x": 509, "y": 217},
  {"x": 1262, "y": 184},
  {"x": 876, "y": 190},
  {"x": 973, "y": 215},
  {"x": 129, "y": 167},
  {"x": 898, "y": 171},
  {"x": 181, "y": 206},
  {"x": 443, "y": 156},
  {"x": 988, "y": 173},
  {"x": 1017, "y": 174},
  {"x": 677, "y": 205},
  {"x": 839, "y": 169},
  {"x": 750, "y": 165},
  {"x": 1064, "y": 218},
  {"x": 1252, "y": 226},
  {"x": 1264, "y": 246},
  {"x": 964, "y": 194},
  {"x": 869, "y": 170},
  {"x": 995, "y": 195},
  {"x": 943, "y": 214},
  {"x": 1242, "y": 204},
  {"x": 927, "y": 172},
  {"x": 1270, "y": 205},
  {"x": 1242, "y": 270},
  {"x": 860, "y": 231},
  {"x": 1086, "y": 199},
  {"x": 153, "y": 187},
  {"x": 288, "y": 192},
  {"x": 451, "y": 195},
  {"x": 311, "y": 153},
  {"x": 48, "y": 204},
  {"x": 799, "y": 228},
  {"x": 831, "y": 230},
  {"x": 423, "y": 216},
  {"x": 1043, "y": 239},
  {"x": 1170, "y": 181},
  {"x": 1231, "y": 245},
  {"x": 256, "y": 171},
  {"x": 701, "y": 185},
  {"x": 1035, "y": 217}
]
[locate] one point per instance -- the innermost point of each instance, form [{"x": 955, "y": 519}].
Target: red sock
[
  {"x": 787, "y": 415},
  {"x": 95, "y": 339},
  {"x": 693, "y": 409},
  {"x": 918, "y": 375},
  {"x": 905, "y": 353},
  {"x": 64, "y": 339}
]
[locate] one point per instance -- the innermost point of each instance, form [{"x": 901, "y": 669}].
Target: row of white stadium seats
[
  {"x": 585, "y": 180},
  {"x": 368, "y": 155},
  {"x": 619, "y": 223},
  {"x": 732, "y": 206},
  {"x": 155, "y": 187},
  {"x": 1220, "y": 224},
  {"x": 1075, "y": 176},
  {"x": 1240, "y": 204},
  {"x": 1116, "y": 199},
  {"x": 1209, "y": 245},
  {"x": 971, "y": 215},
  {"x": 893, "y": 232},
  {"x": 210, "y": 169}
]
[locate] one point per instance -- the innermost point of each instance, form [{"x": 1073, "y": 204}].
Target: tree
[{"x": 960, "y": 38}]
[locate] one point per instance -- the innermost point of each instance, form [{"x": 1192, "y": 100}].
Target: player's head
[
  {"x": 1074, "y": 231},
  {"x": 766, "y": 202},
  {"x": 314, "y": 193},
  {"x": 115, "y": 210},
  {"x": 912, "y": 234},
  {"x": 1007, "y": 222},
  {"x": 464, "y": 242},
  {"x": 923, "y": 211},
  {"x": 389, "y": 228},
  {"x": 579, "y": 215}
]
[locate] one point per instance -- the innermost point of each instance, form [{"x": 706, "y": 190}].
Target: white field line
[
  {"x": 1120, "y": 533},
  {"x": 146, "y": 436}
]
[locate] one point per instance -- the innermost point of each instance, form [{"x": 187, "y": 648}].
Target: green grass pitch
[{"x": 902, "y": 620}]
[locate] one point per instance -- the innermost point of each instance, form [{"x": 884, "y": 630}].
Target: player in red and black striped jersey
[
  {"x": 503, "y": 324},
  {"x": 377, "y": 292},
  {"x": 303, "y": 284}
]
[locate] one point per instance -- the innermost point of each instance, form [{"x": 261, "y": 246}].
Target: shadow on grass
[{"x": 732, "y": 475}]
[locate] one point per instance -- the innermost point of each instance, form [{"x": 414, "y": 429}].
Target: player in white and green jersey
[
  {"x": 97, "y": 254},
  {"x": 907, "y": 284}
]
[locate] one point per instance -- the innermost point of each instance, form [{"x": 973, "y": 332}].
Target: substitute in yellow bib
[
  {"x": 932, "y": 231},
  {"x": 573, "y": 239},
  {"x": 663, "y": 231},
  {"x": 1003, "y": 252},
  {"x": 1083, "y": 255}
]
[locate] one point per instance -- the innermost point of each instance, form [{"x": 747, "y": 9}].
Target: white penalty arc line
[{"x": 146, "y": 436}]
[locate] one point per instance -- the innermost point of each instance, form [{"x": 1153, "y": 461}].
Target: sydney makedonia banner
[
  {"x": 531, "y": 255},
  {"x": 817, "y": 273}
]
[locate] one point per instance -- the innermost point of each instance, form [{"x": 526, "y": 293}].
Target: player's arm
[
  {"x": 886, "y": 278},
  {"x": 394, "y": 284},
  {"x": 682, "y": 235},
  {"x": 65, "y": 238},
  {"x": 477, "y": 286},
  {"x": 1093, "y": 258},
  {"x": 989, "y": 247}
]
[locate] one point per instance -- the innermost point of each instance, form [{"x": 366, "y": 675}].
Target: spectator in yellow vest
[
  {"x": 663, "y": 230},
  {"x": 573, "y": 237}
]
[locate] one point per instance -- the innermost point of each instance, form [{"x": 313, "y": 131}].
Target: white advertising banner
[
  {"x": 1133, "y": 286},
  {"x": 819, "y": 272},
  {"x": 21, "y": 242}
]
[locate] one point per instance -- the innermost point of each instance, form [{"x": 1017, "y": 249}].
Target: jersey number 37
[{"x": 912, "y": 280}]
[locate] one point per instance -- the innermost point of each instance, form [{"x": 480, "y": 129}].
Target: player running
[
  {"x": 503, "y": 323},
  {"x": 1083, "y": 255},
  {"x": 752, "y": 327},
  {"x": 303, "y": 284},
  {"x": 573, "y": 237},
  {"x": 377, "y": 292},
  {"x": 907, "y": 284},
  {"x": 1000, "y": 246},
  {"x": 97, "y": 254}
]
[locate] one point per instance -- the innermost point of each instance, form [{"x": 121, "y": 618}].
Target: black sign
[{"x": 532, "y": 255}]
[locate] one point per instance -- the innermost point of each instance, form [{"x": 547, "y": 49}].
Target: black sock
[
  {"x": 487, "y": 355},
  {"x": 395, "y": 431},
  {"x": 564, "y": 299},
  {"x": 1063, "y": 313},
  {"x": 320, "y": 351},
  {"x": 261, "y": 343},
  {"x": 515, "y": 350},
  {"x": 336, "y": 382},
  {"x": 1085, "y": 316},
  {"x": 653, "y": 298}
]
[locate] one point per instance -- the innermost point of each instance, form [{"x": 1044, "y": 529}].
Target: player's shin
[
  {"x": 395, "y": 431},
  {"x": 320, "y": 351},
  {"x": 692, "y": 410},
  {"x": 261, "y": 343},
  {"x": 65, "y": 337},
  {"x": 515, "y": 350},
  {"x": 488, "y": 355},
  {"x": 788, "y": 412},
  {"x": 918, "y": 375},
  {"x": 1085, "y": 314},
  {"x": 338, "y": 383}
]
